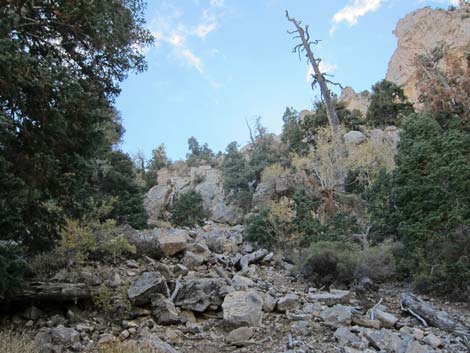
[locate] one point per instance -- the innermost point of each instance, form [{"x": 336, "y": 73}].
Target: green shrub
[
  {"x": 188, "y": 210},
  {"x": 261, "y": 230},
  {"x": 327, "y": 262}
]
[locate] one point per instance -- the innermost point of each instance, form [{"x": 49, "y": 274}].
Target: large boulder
[
  {"x": 147, "y": 285},
  {"x": 354, "y": 137},
  {"x": 158, "y": 242},
  {"x": 199, "y": 294},
  {"x": 243, "y": 308}
]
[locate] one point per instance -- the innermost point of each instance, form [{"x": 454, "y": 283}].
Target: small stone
[
  {"x": 332, "y": 298},
  {"x": 171, "y": 335},
  {"x": 288, "y": 302},
  {"x": 241, "y": 334},
  {"x": 242, "y": 282},
  {"x": 433, "y": 341},
  {"x": 336, "y": 316},
  {"x": 388, "y": 320},
  {"x": 345, "y": 337},
  {"x": 124, "y": 335},
  {"x": 164, "y": 311},
  {"x": 192, "y": 260},
  {"x": 65, "y": 335}
]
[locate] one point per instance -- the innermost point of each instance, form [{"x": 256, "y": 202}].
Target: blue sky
[{"x": 217, "y": 63}]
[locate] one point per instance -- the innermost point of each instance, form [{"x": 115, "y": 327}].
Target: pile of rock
[{"x": 208, "y": 291}]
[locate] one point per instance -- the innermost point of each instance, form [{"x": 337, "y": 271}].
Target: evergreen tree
[
  {"x": 426, "y": 203},
  {"x": 292, "y": 133},
  {"x": 388, "y": 105},
  {"x": 236, "y": 177},
  {"x": 158, "y": 161},
  {"x": 188, "y": 210},
  {"x": 60, "y": 67}
]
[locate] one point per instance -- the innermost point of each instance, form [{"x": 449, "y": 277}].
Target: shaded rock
[
  {"x": 64, "y": 335},
  {"x": 336, "y": 316},
  {"x": 365, "y": 322},
  {"x": 164, "y": 311},
  {"x": 145, "y": 287},
  {"x": 198, "y": 294},
  {"x": 243, "y": 308},
  {"x": 288, "y": 302},
  {"x": 345, "y": 337},
  {"x": 192, "y": 260}
]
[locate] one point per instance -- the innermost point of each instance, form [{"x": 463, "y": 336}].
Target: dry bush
[
  {"x": 12, "y": 342},
  {"x": 369, "y": 158},
  {"x": 271, "y": 173}
]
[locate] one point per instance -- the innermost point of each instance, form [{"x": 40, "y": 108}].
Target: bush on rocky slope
[{"x": 188, "y": 210}]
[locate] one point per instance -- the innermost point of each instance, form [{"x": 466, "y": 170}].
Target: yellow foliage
[{"x": 271, "y": 173}]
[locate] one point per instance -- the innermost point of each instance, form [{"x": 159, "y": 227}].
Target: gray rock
[
  {"x": 331, "y": 298},
  {"x": 198, "y": 294},
  {"x": 288, "y": 302},
  {"x": 243, "y": 308},
  {"x": 269, "y": 302},
  {"x": 171, "y": 241},
  {"x": 241, "y": 282},
  {"x": 145, "y": 287},
  {"x": 150, "y": 340},
  {"x": 192, "y": 260},
  {"x": 345, "y": 337},
  {"x": 64, "y": 335},
  {"x": 354, "y": 137},
  {"x": 164, "y": 311},
  {"x": 337, "y": 316},
  {"x": 241, "y": 334}
]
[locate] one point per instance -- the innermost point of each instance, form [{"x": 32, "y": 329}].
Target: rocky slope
[{"x": 209, "y": 291}]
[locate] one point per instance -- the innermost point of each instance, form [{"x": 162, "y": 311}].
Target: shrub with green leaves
[
  {"x": 425, "y": 202},
  {"x": 188, "y": 210},
  {"x": 261, "y": 230}
]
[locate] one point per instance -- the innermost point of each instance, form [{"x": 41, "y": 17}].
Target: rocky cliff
[
  {"x": 204, "y": 179},
  {"x": 419, "y": 33}
]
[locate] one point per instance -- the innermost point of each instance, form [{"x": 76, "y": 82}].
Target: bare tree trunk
[
  {"x": 318, "y": 75},
  {"x": 319, "y": 78}
]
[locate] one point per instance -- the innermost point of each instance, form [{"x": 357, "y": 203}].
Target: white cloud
[
  {"x": 325, "y": 67},
  {"x": 168, "y": 27},
  {"x": 353, "y": 11},
  {"x": 203, "y": 30},
  {"x": 192, "y": 59}
]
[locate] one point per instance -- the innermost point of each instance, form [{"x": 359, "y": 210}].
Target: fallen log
[
  {"x": 428, "y": 315},
  {"x": 42, "y": 291},
  {"x": 254, "y": 257}
]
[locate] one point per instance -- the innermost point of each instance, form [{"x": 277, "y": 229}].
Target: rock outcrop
[
  {"x": 204, "y": 179},
  {"x": 355, "y": 101},
  {"x": 420, "y": 32}
]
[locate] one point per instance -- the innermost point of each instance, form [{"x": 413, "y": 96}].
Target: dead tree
[
  {"x": 317, "y": 76},
  {"x": 321, "y": 79}
]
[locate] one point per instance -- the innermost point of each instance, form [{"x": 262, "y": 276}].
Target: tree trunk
[{"x": 41, "y": 291}]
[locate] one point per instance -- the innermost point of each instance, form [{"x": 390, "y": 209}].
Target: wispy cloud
[
  {"x": 353, "y": 11},
  {"x": 169, "y": 27}
]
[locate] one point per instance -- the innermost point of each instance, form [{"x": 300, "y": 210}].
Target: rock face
[
  {"x": 204, "y": 179},
  {"x": 421, "y": 31},
  {"x": 355, "y": 101}
]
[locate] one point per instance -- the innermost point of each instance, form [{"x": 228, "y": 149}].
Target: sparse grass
[{"x": 12, "y": 342}]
